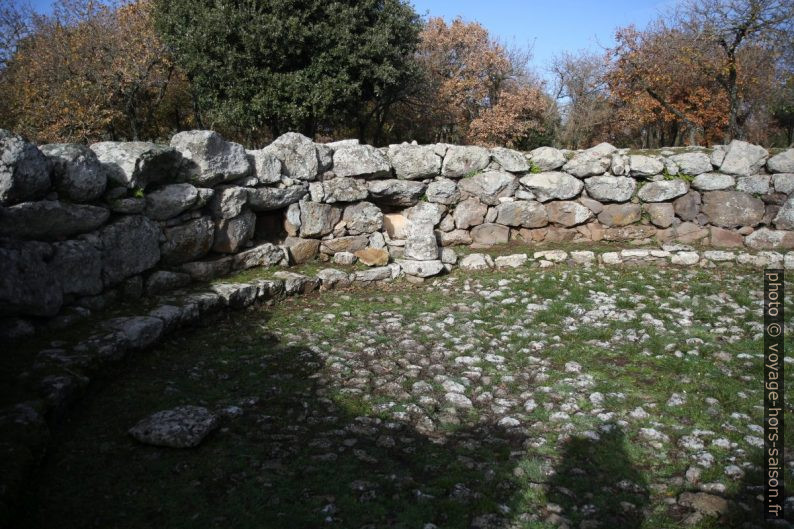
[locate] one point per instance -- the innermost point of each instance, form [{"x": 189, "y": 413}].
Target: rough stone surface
[
  {"x": 228, "y": 201},
  {"x": 24, "y": 170},
  {"x": 188, "y": 241},
  {"x": 363, "y": 217},
  {"x": 547, "y": 158},
  {"x": 129, "y": 246},
  {"x": 687, "y": 207},
  {"x": 743, "y": 159},
  {"x": 342, "y": 189},
  {"x": 443, "y": 191},
  {"x": 610, "y": 188},
  {"x": 785, "y": 217},
  {"x": 232, "y": 234},
  {"x": 552, "y": 185},
  {"x": 135, "y": 164},
  {"x": 77, "y": 174},
  {"x": 692, "y": 163},
  {"x": 476, "y": 261},
  {"x": 318, "y": 219},
  {"x": 567, "y": 213},
  {"x": 301, "y": 250},
  {"x": 645, "y": 165},
  {"x": 510, "y": 160},
  {"x": 490, "y": 234},
  {"x": 526, "y": 214},
  {"x": 78, "y": 264},
  {"x": 171, "y": 200},
  {"x": 181, "y": 427},
  {"x": 50, "y": 219},
  {"x": 782, "y": 163},
  {"x": 270, "y": 199},
  {"x": 730, "y": 209},
  {"x": 620, "y": 214},
  {"x": 373, "y": 256},
  {"x": 591, "y": 162},
  {"x": 713, "y": 182},
  {"x": 414, "y": 162},
  {"x": 208, "y": 159},
  {"x": 425, "y": 212},
  {"x": 421, "y": 268},
  {"x": 27, "y": 286},
  {"x": 362, "y": 161},
  {"x": 395, "y": 192},
  {"x": 265, "y": 166},
  {"x": 661, "y": 215},
  {"x": 468, "y": 213},
  {"x": 489, "y": 187},
  {"x": 464, "y": 161},
  {"x": 755, "y": 185},
  {"x": 298, "y": 156},
  {"x": 662, "y": 190}
]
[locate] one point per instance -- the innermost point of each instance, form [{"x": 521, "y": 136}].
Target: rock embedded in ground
[{"x": 180, "y": 427}]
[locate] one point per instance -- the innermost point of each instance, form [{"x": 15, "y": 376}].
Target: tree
[
  {"x": 260, "y": 67},
  {"x": 92, "y": 71}
]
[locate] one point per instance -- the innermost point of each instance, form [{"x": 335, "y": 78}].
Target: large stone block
[
  {"x": 318, "y": 219},
  {"x": 730, "y": 209},
  {"x": 188, "y": 241},
  {"x": 552, "y": 185},
  {"x": 78, "y": 266},
  {"x": 610, "y": 188},
  {"x": 395, "y": 192},
  {"x": 298, "y": 156},
  {"x": 271, "y": 198},
  {"x": 363, "y": 161},
  {"x": 523, "y": 213},
  {"x": 743, "y": 159},
  {"x": 130, "y": 245},
  {"x": 170, "y": 201},
  {"x": 566, "y": 213},
  {"x": 489, "y": 187},
  {"x": 50, "y": 219},
  {"x": 464, "y": 160},
  {"x": 77, "y": 173},
  {"x": 24, "y": 170},
  {"x": 414, "y": 162},
  {"x": 28, "y": 286},
  {"x": 136, "y": 164},
  {"x": 232, "y": 234},
  {"x": 208, "y": 159},
  {"x": 620, "y": 214},
  {"x": 490, "y": 234}
]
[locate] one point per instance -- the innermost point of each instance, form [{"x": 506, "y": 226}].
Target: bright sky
[{"x": 549, "y": 27}]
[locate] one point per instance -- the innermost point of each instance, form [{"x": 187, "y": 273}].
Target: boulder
[
  {"x": 591, "y": 162},
  {"x": 130, "y": 245},
  {"x": 552, "y": 185},
  {"x": 27, "y": 284},
  {"x": 363, "y": 161},
  {"x": 783, "y": 182},
  {"x": 425, "y": 212},
  {"x": 50, "y": 220},
  {"x": 24, "y": 170},
  {"x": 743, "y": 159},
  {"x": 692, "y": 163},
  {"x": 510, "y": 160},
  {"x": 547, "y": 159},
  {"x": 209, "y": 159},
  {"x": 228, "y": 201},
  {"x": 363, "y": 217},
  {"x": 781, "y": 163},
  {"x": 490, "y": 234},
  {"x": 318, "y": 219},
  {"x": 421, "y": 244},
  {"x": 373, "y": 256},
  {"x": 645, "y": 166},
  {"x": 77, "y": 174},
  {"x": 270, "y": 199},
  {"x": 78, "y": 266},
  {"x": 188, "y": 241},
  {"x": 620, "y": 214},
  {"x": 349, "y": 244},
  {"x": 395, "y": 192},
  {"x": 232, "y": 234},
  {"x": 522, "y": 213},
  {"x": 301, "y": 250},
  {"x": 468, "y": 213},
  {"x": 171, "y": 200},
  {"x": 766, "y": 239},
  {"x": 343, "y": 189},
  {"x": 265, "y": 166},
  {"x": 755, "y": 185},
  {"x": 661, "y": 215},
  {"x": 785, "y": 217},
  {"x": 713, "y": 182},
  {"x": 395, "y": 225},
  {"x": 414, "y": 162},
  {"x": 181, "y": 427},
  {"x": 443, "y": 191},
  {"x": 265, "y": 254},
  {"x": 476, "y": 261},
  {"x": 489, "y": 187},
  {"x": 136, "y": 164},
  {"x": 421, "y": 268},
  {"x": 461, "y": 161},
  {"x": 662, "y": 190},
  {"x": 565, "y": 213},
  {"x": 610, "y": 188},
  {"x": 687, "y": 207},
  {"x": 298, "y": 156},
  {"x": 730, "y": 209}
]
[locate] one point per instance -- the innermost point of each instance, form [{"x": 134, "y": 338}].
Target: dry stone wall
[{"x": 83, "y": 226}]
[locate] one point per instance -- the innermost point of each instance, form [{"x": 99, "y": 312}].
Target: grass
[{"x": 308, "y": 452}]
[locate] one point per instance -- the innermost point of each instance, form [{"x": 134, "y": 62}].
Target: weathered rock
[
  {"x": 687, "y": 207},
  {"x": 136, "y": 164},
  {"x": 443, "y": 191},
  {"x": 270, "y": 199},
  {"x": 373, "y": 256},
  {"x": 476, "y": 261},
  {"x": 688, "y": 232},
  {"x": 297, "y": 283},
  {"x": 24, "y": 170},
  {"x": 232, "y": 234},
  {"x": 363, "y": 161},
  {"x": 50, "y": 219},
  {"x": 755, "y": 185},
  {"x": 766, "y": 239},
  {"x": 265, "y": 254},
  {"x": 420, "y": 245},
  {"x": 593, "y": 205},
  {"x": 468, "y": 213},
  {"x": 301, "y": 250},
  {"x": 421, "y": 268},
  {"x": 784, "y": 182},
  {"x": 610, "y": 188},
  {"x": 395, "y": 192},
  {"x": 425, "y": 212},
  {"x": 181, "y": 427},
  {"x": 342, "y": 189},
  {"x": 27, "y": 285},
  {"x": 139, "y": 331},
  {"x": 188, "y": 241},
  {"x": 414, "y": 162},
  {"x": 592, "y": 162},
  {"x": 729, "y": 209},
  {"x": 298, "y": 156},
  {"x": 464, "y": 161},
  {"x": 523, "y": 213},
  {"x": 722, "y": 238},
  {"x": 553, "y": 185},
  {"x": 785, "y": 217},
  {"x": 318, "y": 219},
  {"x": 547, "y": 159},
  {"x": 130, "y": 245},
  {"x": 332, "y": 278},
  {"x": 228, "y": 201},
  {"x": 208, "y": 270},
  {"x": 344, "y": 244},
  {"x": 489, "y": 187},
  {"x": 363, "y": 217},
  {"x": 78, "y": 265},
  {"x": 265, "y": 166},
  {"x": 704, "y": 503},
  {"x": 171, "y": 200},
  {"x": 717, "y": 156},
  {"x": 743, "y": 159},
  {"x": 566, "y": 213},
  {"x": 511, "y": 261},
  {"x": 490, "y": 234},
  {"x": 454, "y": 237},
  {"x": 781, "y": 163},
  {"x": 662, "y": 190},
  {"x": 77, "y": 173},
  {"x": 395, "y": 225},
  {"x": 620, "y": 214},
  {"x": 661, "y": 215},
  {"x": 209, "y": 159},
  {"x": 127, "y": 206},
  {"x": 163, "y": 281},
  {"x": 381, "y": 273},
  {"x": 713, "y": 182},
  {"x": 692, "y": 163},
  {"x": 510, "y": 160},
  {"x": 644, "y": 165}
]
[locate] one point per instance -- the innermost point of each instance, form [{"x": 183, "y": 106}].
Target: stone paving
[{"x": 577, "y": 397}]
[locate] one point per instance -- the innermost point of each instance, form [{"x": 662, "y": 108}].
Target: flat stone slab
[{"x": 181, "y": 427}]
